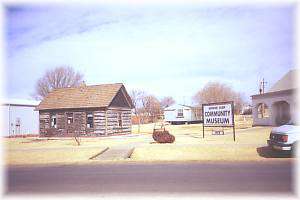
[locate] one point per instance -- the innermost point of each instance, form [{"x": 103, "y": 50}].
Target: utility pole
[
  {"x": 262, "y": 91},
  {"x": 262, "y": 86}
]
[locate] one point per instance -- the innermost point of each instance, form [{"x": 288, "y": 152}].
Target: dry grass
[
  {"x": 195, "y": 153},
  {"x": 189, "y": 145},
  {"x": 32, "y": 143},
  {"x": 23, "y": 151},
  {"x": 50, "y": 156}
]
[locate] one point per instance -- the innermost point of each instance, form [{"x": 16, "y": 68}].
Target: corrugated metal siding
[
  {"x": 4, "y": 121},
  {"x": 29, "y": 120}
]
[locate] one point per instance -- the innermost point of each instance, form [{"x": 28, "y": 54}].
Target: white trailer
[{"x": 180, "y": 114}]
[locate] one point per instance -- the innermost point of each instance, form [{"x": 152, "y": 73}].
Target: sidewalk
[{"x": 116, "y": 153}]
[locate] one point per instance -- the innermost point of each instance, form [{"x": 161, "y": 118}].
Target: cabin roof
[{"x": 83, "y": 97}]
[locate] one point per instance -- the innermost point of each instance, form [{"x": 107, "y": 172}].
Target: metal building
[{"x": 19, "y": 117}]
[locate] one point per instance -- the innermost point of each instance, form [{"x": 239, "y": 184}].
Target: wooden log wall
[
  {"x": 105, "y": 123},
  {"x": 79, "y": 124},
  {"x": 113, "y": 123},
  {"x": 99, "y": 123},
  {"x": 60, "y": 123},
  {"x": 44, "y": 119}
]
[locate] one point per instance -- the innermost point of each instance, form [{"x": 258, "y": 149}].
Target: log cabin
[{"x": 94, "y": 110}]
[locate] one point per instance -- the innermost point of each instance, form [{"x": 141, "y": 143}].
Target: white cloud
[{"x": 167, "y": 52}]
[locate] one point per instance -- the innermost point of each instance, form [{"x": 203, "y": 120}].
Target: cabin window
[
  {"x": 89, "y": 120},
  {"x": 70, "y": 118},
  {"x": 120, "y": 119},
  {"x": 180, "y": 113},
  {"x": 53, "y": 121}
]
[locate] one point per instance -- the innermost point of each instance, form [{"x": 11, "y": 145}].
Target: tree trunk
[
  {"x": 139, "y": 124},
  {"x": 77, "y": 138}
]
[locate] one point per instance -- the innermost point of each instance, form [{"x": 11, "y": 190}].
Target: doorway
[{"x": 282, "y": 114}]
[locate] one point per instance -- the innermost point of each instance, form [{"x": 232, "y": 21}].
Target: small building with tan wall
[{"x": 277, "y": 106}]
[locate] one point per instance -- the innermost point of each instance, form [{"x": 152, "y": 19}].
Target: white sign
[{"x": 218, "y": 114}]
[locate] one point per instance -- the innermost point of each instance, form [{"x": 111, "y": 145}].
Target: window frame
[
  {"x": 68, "y": 116},
  {"x": 91, "y": 125},
  {"x": 180, "y": 113},
  {"x": 120, "y": 120},
  {"x": 263, "y": 111},
  {"x": 53, "y": 120}
]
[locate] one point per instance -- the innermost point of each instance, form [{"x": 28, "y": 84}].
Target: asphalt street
[{"x": 190, "y": 177}]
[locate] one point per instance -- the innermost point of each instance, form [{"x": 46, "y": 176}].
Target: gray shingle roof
[{"x": 287, "y": 82}]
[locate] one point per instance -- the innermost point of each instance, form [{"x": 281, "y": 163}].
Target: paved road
[{"x": 192, "y": 177}]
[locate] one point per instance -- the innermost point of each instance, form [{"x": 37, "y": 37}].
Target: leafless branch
[{"x": 59, "y": 77}]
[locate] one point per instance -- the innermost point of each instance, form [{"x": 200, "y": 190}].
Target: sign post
[{"x": 219, "y": 114}]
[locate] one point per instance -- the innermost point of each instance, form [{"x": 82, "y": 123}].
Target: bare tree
[
  {"x": 239, "y": 102},
  {"x": 77, "y": 138},
  {"x": 74, "y": 132},
  {"x": 166, "y": 102},
  {"x": 151, "y": 107},
  {"x": 59, "y": 77},
  {"x": 136, "y": 97},
  {"x": 219, "y": 92}
]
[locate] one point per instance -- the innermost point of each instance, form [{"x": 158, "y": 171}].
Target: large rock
[{"x": 163, "y": 136}]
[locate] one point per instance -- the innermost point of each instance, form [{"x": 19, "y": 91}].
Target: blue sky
[{"x": 166, "y": 50}]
